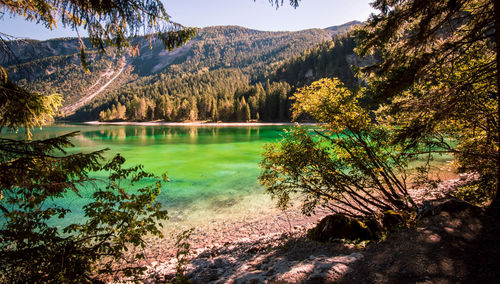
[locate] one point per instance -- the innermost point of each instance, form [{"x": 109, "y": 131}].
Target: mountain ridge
[{"x": 54, "y": 66}]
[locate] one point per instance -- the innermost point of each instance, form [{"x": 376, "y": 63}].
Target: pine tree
[
  {"x": 34, "y": 173},
  {"x": 439, "y": 75},
  {"x": 193, "y": 112},
  {"x": 149, "y": 113},
  {"x": 214, "y": 114},
  {"x": 120, "y": 109},
  {"x": 248, "y": 115},
  {"x": 160, "y": 104}
]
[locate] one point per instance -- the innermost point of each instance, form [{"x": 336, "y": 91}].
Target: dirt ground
[
  {"x": 444, "y": 248},
  {"x": 451, "y": 244},
  {"x": 437, "y": 250}
]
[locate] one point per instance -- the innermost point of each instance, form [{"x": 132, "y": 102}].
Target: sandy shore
[{"x": 197, "y": 123}]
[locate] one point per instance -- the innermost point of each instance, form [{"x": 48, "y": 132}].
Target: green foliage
[
  {"x": 220, "y": 63},
  {"x": 34, "y": 175},
  {"x": 224, "y": 95},
  {"x": 349, "y": 165},
  {"x": 219, "y": 67},
  {"x": 118, "y": 215},
  {"x": 100, "y": 20},
  {"x": 437, "y": 75},
  {"x": 108, "y": 23},
  {"x": 327, "y": 59},
  {"x": 478, "y": 192},
  {"x": 329, "y": 102},
  {"x": 21, "y": 107},
  {"x": 254, "y": 52}
]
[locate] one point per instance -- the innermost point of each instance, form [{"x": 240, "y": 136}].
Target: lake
[{"x": 213, "y": 171}]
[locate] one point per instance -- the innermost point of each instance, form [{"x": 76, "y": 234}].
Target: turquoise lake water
[{"x": 212, "y": 170}]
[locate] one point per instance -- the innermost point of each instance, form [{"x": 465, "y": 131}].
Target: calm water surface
[{"x": 213, "y": 170}]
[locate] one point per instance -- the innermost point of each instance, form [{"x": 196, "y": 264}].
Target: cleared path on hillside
[{"x": 111, "y": 74}]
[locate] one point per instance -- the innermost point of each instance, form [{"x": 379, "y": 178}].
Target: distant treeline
[
  {"x": 226, "y": 73},
  {"x": 224, "y": 94}
]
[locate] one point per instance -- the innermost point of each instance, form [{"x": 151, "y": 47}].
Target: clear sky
[{"x": 257, "y": 14}]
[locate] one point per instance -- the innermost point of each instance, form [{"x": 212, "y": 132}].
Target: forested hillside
[
  {"x": 333, "y": 57},
  {"x": 225, "y": 73}
]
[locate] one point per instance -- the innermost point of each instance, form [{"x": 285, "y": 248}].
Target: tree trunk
[{"x": 496, "y": 4}]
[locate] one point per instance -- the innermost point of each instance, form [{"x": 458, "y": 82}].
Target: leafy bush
[
  {"x": 33, "y": 176},
  {"x": 348, "y": 165},
  {"x": 477, "y": 192}
]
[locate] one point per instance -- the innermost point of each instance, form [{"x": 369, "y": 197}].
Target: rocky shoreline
[
  {"x": 288, "y": 257},
  {"x": 272, "y": 248}
]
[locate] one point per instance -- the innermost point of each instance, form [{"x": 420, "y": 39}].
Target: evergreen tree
[
  {"x": 248, "y": 115},
  {"x": 35, "y": 173},
  {"x": 160, "y": 105},
  {"x": 439, "y": 75},
  {"x": 193, "y": 112},
  {"x": 149, "y": 113},
  {"x": 214, "y": 113}
]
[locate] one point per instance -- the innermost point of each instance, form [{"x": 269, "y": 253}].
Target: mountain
[
  {"x": 221, "y": 74},
  {"x": 326, "y": 59},
  {"x": 344, "y": 28}
]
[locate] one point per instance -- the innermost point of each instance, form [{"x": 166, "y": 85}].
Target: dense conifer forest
[{"x": 226, "y": 73}]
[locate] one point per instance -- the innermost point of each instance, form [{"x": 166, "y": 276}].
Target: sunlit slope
[{"x": 54, "y": 66}]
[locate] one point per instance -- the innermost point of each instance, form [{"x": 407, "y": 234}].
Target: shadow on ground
[
  {"x": 290, "y": 258},
  {"x": 483, "y": 254},
  {"x": 455, "y": 245},
  {"x": 439, "y": 250},
  {"x": 274, "y": 258}
]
